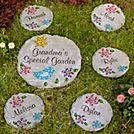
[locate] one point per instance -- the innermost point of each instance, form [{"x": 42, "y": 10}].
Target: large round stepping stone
[
  {"x": 24, "y": 110},
  {"x": 91, "y": 112},
  {"x": 110, "y": 62},
  {"x": 36, "y": 18},
  {"x": 108, "y": 17},
  {"x": 47, "y": 61}
]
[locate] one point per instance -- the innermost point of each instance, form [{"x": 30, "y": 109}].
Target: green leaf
[
  {"x": 111, "y": 50},
  {"x": 24, "y": 97},
  {"x": 75, "y": 70},
  {"x": 66, "y": 79},
  {"x": 100, "y": 69},
  {"x": 15, "y": 123},
  {"x": 118, "y": 11},
  {"x": 21, "y": 64},
  {"x": 45, "y": 83},
  {"x": 85, "y": 123},
  {"x": 100, "y": 100},
  {"x": 28, "y": 122},
  {"x": 37, "y": 7},
  {"x": 113, "y": 72},
  {"x": 102, "y": 125},
  {"x": 75, "y": 114},
  {"x": 56, "y": 81}
]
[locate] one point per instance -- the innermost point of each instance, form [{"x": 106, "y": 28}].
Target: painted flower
[
  {"x": 31, "y": 10},
  {"x": 37, "y": 116},
  {"x": 131, "y": 91},
  {"x": 108, "y": 27},
  {"x": 24, "y": 69},
  {"x": 106, "y": 70},
  {"x": 111, "y": 9},
  {"x": 97, "y": 19},
  {"x": 80, "y": 119},
  {"x": 105, "y": 52},
  {"x": 122, "y": 68},
  {"x": 92, "y": 99},
  {"x": 46, "y": 22},
  {"x": 68, "y": 72},
  {"x": 96, "y": 124},
  {"x": 11, "y": 45},
  {"x": 16, "y": 101},
  {"x": 2, "y": 45},
  {"x": 120, "y": 98},
  {"x": 41, "y": 41},
  {"x": 22, "y": 123},
  {"x": 32, "y": 25}
]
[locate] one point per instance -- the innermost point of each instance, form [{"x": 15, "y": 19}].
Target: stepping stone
[
  {"x": 47, "y": 61},
  {"x": 36, "y": 18},
  {"x": 110, "y": 62},
  {"x": 108, "y": 17},
  {"x": 24, "y": 110},
  {"x": 91, "y": 112}
]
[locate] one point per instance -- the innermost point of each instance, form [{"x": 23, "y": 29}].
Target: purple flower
[
  {"x": 32, "y": 25},
  {"x": 80, "y": 119},
  {"x": 68, "y": 72},
  {"x": 107, "y": 70},
  {"x": 22, "y": 122},
  {"x": 97, "y": 19}
]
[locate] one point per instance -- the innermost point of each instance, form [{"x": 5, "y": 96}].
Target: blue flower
[
  {"x": 96, "y": 124},
  {"x": 108, "y": 27},
  {"x": 122, "y": 68},
  {"x": 37, "y": 116},
  {"x": 46, "y": 22}
]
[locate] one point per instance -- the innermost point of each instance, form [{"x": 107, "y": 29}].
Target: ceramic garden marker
[
  {"x": 36, "y": 18},
  {"x": 108, "y": 17},
  {"x": 24, "y": 110},
  {"x": 47, "y": 61},
  {"x": 110, "y": 62},
  {"x": 91, "y": 112}
]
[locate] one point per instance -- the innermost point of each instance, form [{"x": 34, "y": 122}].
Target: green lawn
[{"x": 74, "y": 23}]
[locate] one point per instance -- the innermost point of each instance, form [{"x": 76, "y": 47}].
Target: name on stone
[{"x": 89, "y": 111}]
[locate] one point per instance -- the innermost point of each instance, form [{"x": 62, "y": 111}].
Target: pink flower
[
  {"x": 92, "y": 99},
  {"x": 131, "y": 91},
  {"x": 16, "y": 101},
  {"x": 105, "y": 53},
  {"x": 120, "y": 98},
  {"x": 25, "y": 69},
  {"x": 111, "y": 9},
  {"x": 31, "y": 10}
]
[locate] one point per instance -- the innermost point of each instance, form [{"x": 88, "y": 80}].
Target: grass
[{"x": 74, "y": 23}]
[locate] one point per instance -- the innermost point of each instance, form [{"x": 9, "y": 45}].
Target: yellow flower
[{"x": 41, "y": 41}]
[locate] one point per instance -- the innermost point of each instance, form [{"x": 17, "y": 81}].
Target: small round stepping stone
[
  {"x": 108, "y": 17},
  {"x": 24, "y": 110},
  {"x": 110, "y": 62},
  {"x": 47, "y": 61},
  {"x": 91, "y": 112},
  {"x": 36, "y": 18}
]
